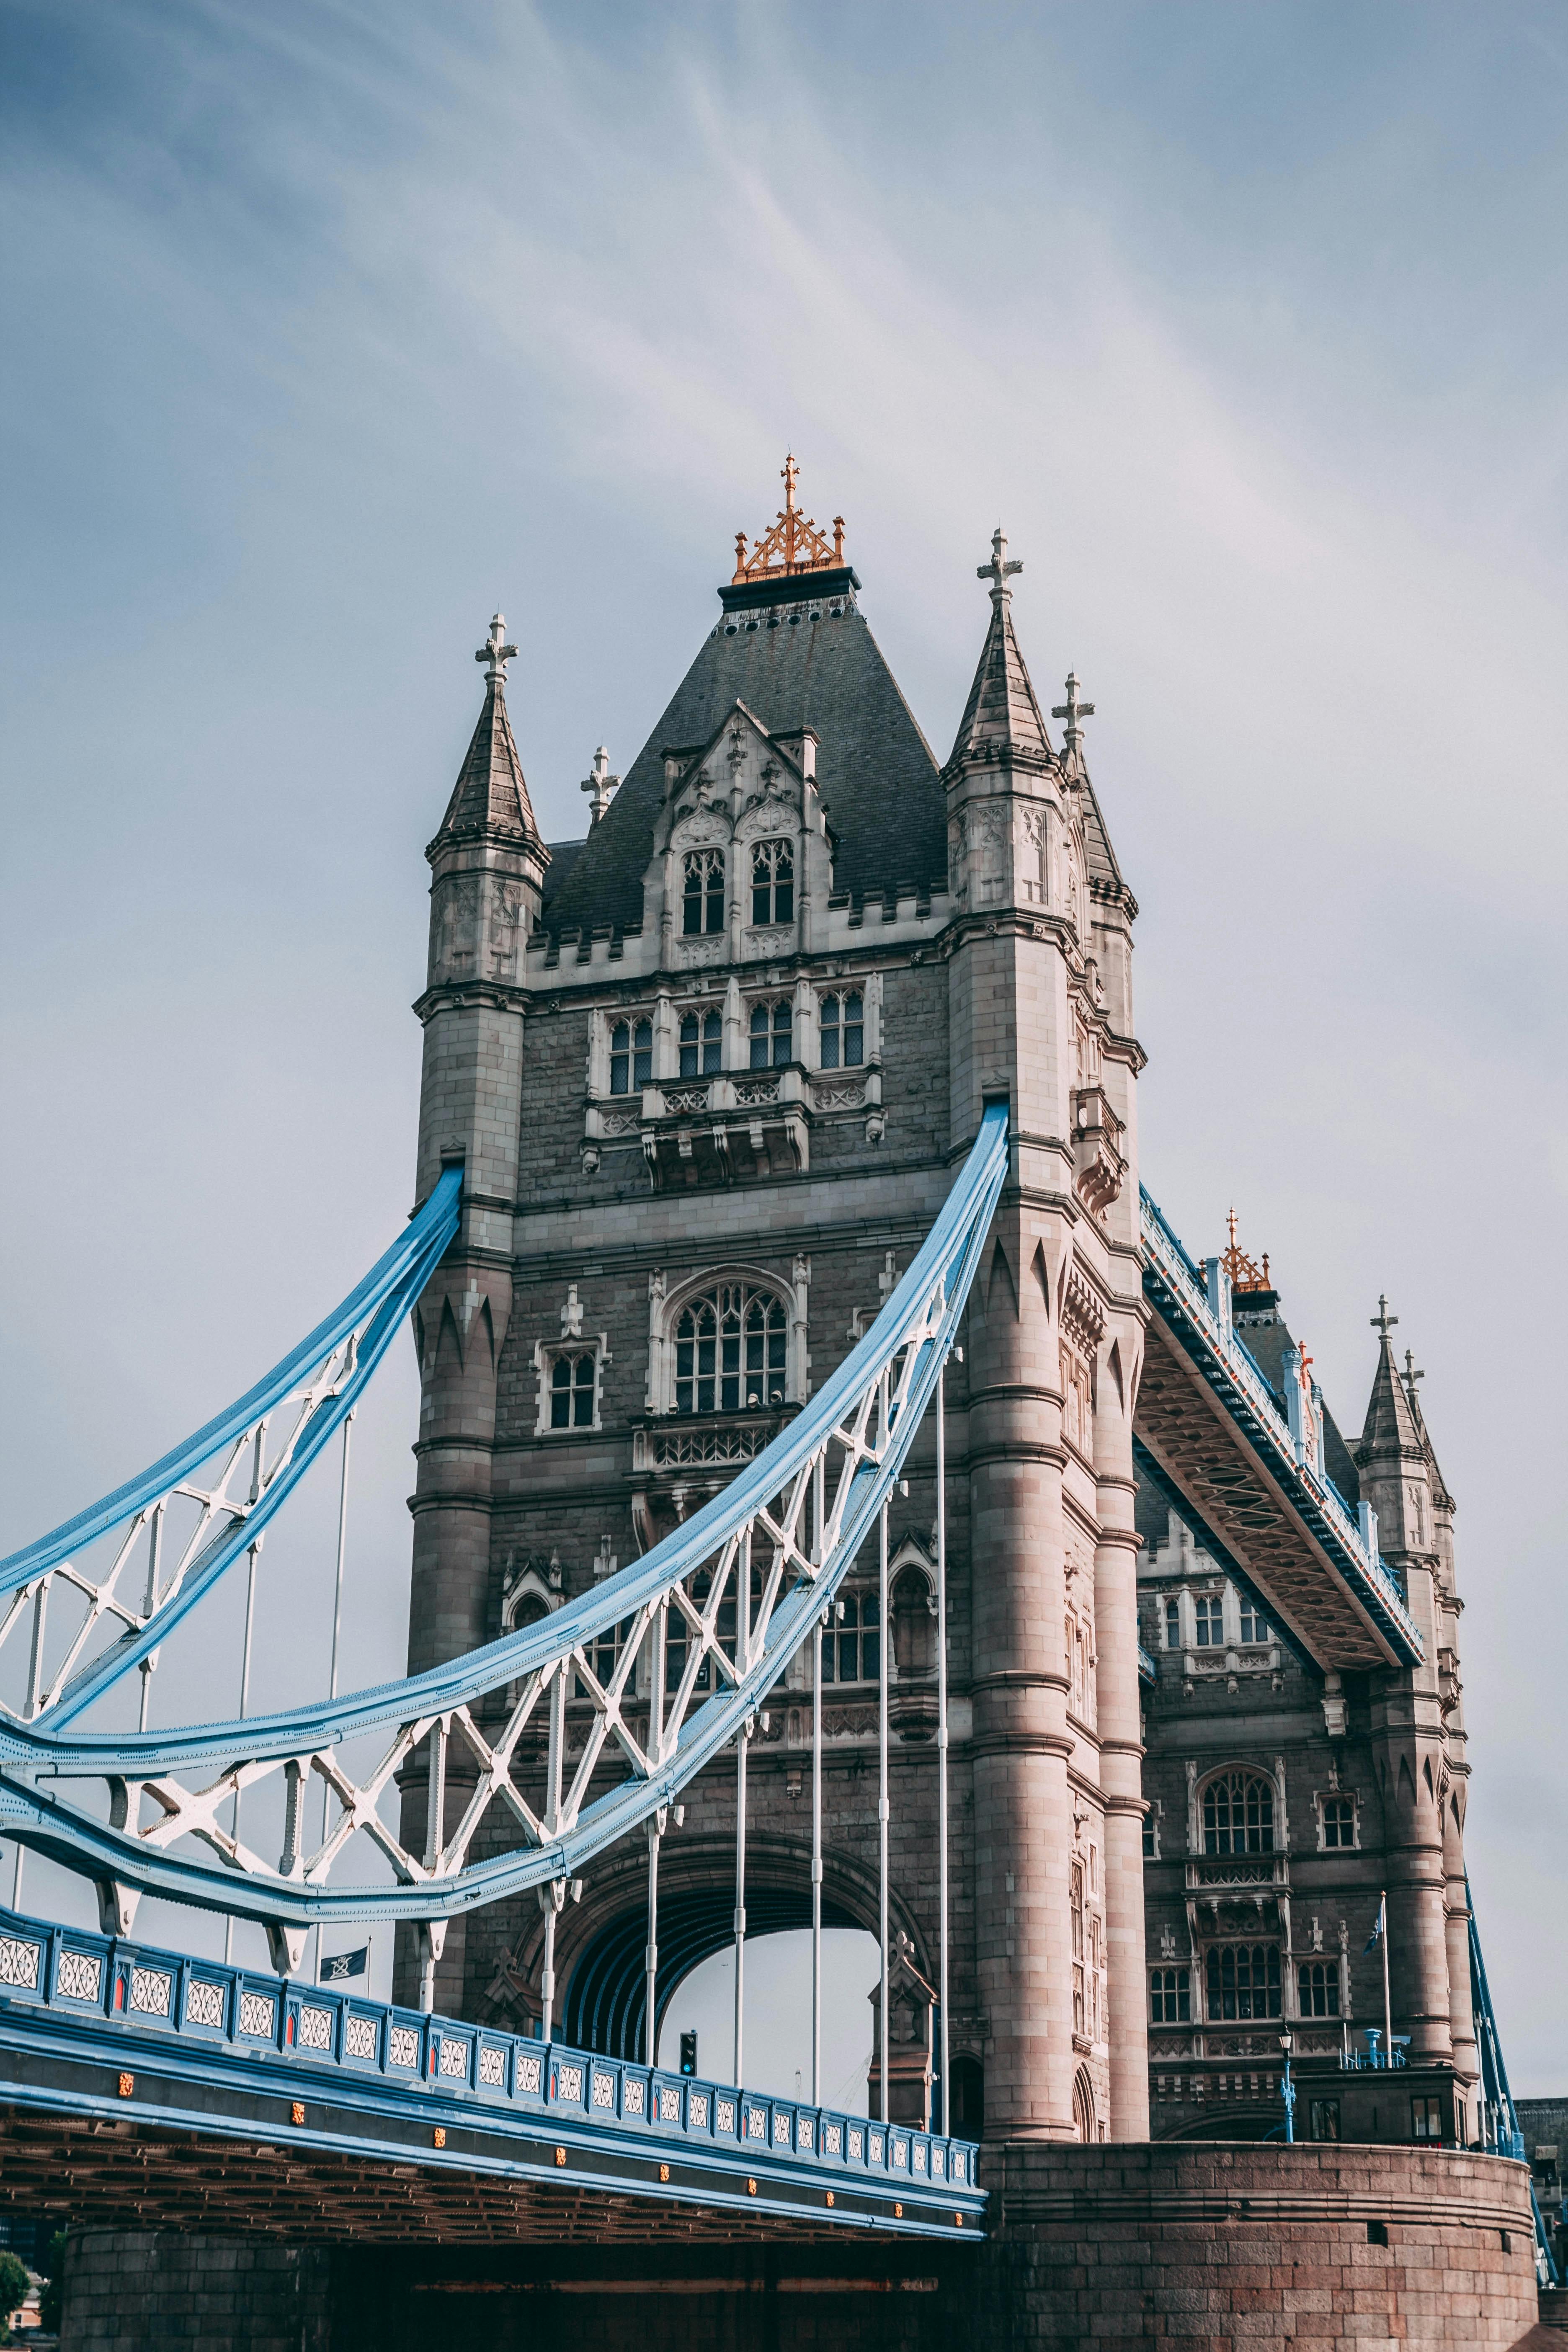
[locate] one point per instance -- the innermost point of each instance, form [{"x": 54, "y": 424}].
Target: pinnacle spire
[
  {"x": 1391, "y": 1427},
  {"x": 1073, "y": 710},
  {"x": 491, "y": 798},
  {"x": 1002, "y": 719}
]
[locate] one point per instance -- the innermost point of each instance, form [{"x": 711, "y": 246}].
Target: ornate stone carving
[{"x": 1100, "y": 1164}]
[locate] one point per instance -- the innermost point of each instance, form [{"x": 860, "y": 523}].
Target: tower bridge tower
[{"x": 711, "y": 1071}]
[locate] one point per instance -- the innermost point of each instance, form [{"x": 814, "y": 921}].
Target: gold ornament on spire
[
  {"x": 793, "y": 544},
  {"x": 1244, "y": 1272}
]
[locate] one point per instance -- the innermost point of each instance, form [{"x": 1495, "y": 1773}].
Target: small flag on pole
[
  {"x": 344, "y": 1965},
  {"x": 1376, "y": 1935}
]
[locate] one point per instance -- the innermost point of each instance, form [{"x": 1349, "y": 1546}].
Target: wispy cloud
[{"x": 341, "y": 326}]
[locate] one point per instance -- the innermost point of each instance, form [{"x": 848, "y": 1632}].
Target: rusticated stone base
[
  {"x": 1207, "y": 2243},
  {"x": 1217, "y": 2242},
  {"x": 142, "y": 2290}
]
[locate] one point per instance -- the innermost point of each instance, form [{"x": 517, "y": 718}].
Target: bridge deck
[{"x": 182, "y": 2058}]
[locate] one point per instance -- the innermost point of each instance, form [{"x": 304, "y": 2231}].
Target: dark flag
[{"x": 344, "y": 1965}]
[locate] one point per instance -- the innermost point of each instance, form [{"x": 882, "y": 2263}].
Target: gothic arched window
[
  {"x": 772, "y": 882},
  {"x": 1318, "y": 1982},
  {"x": 1338, "y": 1822},
  {"x": 731, "y": 1350},
  {"x": 1239, "y": 1814},
  {"x": 851, "y": 1642},
  {"x": 573, "y": 1387},
  {"x": 1242, "y": 1980},
  {"x": 773, "y": 1034},
  {"x": 631, "y": 1056},
  {"x": 701, "y": 1044},
  {"x": 843, "y": 1031},
  {"x": 703, "y": 896}
]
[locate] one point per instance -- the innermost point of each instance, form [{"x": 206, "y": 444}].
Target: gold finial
[
  {"x": 1244, "y": 1272},
  {"x": 795, "y": 543}
]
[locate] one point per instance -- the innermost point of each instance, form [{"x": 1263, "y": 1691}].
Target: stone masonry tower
[
  {"x": 488, "y": 863},
  {"x": 1039, "y": 1008},
  {"x": 1418, "y": 1738}
]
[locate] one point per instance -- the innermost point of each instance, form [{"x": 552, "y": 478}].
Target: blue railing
[{"x": 152, "y": 2009}]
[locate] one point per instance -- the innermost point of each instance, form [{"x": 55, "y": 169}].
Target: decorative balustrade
[{"x": 168, "y": 2007}]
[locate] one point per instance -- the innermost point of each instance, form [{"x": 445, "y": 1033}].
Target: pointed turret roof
[
  {"x": 489, "y": 799},
  {"x": 1389, "y": 1428},
  {"x": 1001, "y": 719},
  {"x": 1407, "y": 1379}
]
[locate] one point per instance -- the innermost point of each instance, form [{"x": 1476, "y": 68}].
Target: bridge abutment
[
  {"x": 1098, "y": 2246},
  {"x": 129, "y": 2289}
]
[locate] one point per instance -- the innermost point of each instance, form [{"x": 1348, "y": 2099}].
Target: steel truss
[{"x": 718, "y": 1610}]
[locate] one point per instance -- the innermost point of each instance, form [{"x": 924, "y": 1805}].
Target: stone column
[{"x": 1121, "y": 1736}]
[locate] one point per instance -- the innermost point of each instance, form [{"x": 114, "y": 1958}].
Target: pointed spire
[
  {"x": 489, "y": 799},
  {"x": 1390, "y": 1428},
  {"x": 1001, "y": 719}
]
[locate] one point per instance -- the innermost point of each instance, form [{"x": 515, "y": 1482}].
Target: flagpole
[{"x": 1387, "y": 2003}]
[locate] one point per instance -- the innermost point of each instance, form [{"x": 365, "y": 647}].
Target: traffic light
[{"x": 689, "y": 2053}]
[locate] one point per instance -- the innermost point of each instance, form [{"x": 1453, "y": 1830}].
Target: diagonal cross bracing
[
  {"x": 732, "y": 1594},
  {"x": 1211, "y": 1422},
  {"x": 310, "y": 1393}
]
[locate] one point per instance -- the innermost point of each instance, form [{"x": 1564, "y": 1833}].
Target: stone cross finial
[
  {"x": 601, "y": 785},
  {"x": 1072, "y": 710},
  {"x": 788, "y": 476},
  {"x": 1382, "y": 1321},
  {"x": 998, "y": 570},
  {"x": 1410, "y": 1375},
  {"x": 495, "y": 653}
]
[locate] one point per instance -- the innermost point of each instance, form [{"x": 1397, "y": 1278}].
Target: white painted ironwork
[{"x": 557, "y": 1746}]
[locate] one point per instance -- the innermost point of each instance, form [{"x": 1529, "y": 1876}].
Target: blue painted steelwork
[
  {"x": 1176, "y": 1287},
  {"x": 1500, "y": 2116},
  {"x": 868, "y": 1412},
  {"x": 363, "y": 1327},
  {"x": 1149, "y": 1473},
  {"x": 369, "y": 2077}
]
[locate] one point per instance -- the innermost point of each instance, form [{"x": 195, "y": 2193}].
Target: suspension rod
[
  {"x": 818, "y": 1505},
  {"x": 741, "y": 1737},
  {"x": 944, "y": 2055},
  {"x": 548, "y": 1894},
  {"x": 337, "y": 1633},
  {"x": 154, "y": 1546},
  {"x": 244, "y": 1699},
  {"x": 883, "y": 1809},
  {"x": 35, "y": 1690},
  {"x": 650, "y": 2029}
]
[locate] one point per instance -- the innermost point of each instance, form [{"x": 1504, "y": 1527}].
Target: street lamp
[{"x": 1287, "y": 2087}]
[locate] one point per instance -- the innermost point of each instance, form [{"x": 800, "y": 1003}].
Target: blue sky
[{"x": 331, "y": 329}]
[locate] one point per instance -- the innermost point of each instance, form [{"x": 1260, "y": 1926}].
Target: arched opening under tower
[
  {"x": 606, "y": 1994},
  {"x": 777, "y": 2051}
]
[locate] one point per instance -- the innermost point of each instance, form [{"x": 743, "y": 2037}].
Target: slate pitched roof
[
  {"x": 491, "y": 795},
  {"x": 1002, "y": 719},
  {"x": 874, "y": 772},
  {"x": 1390, "y": 1428}
]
